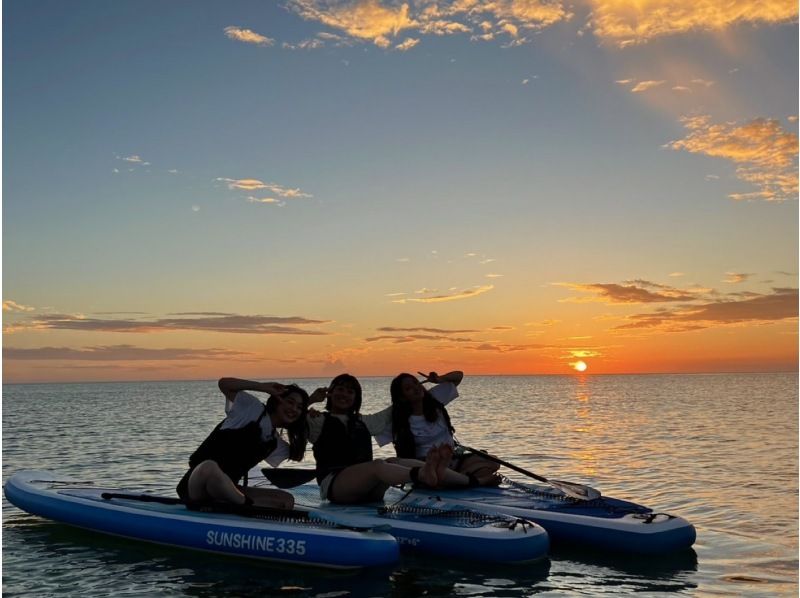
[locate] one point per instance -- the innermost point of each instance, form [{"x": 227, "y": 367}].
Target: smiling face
[
  {"x": 341, "y": 398},
  {"x": 289, "y": 408}
]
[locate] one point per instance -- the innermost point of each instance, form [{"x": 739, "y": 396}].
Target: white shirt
[
  {"x": 246, "y": 408},
  {"x": 428, "y": 434},
  {"x": 376, "y": 423}
]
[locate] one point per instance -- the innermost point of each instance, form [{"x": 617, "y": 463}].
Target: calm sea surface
[{"x": 720, "y": 450}]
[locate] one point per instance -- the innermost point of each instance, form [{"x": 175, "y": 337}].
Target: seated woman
[
  {"x": 248, "y": 435},
  {"x": 420, "y": 421},
  {"x": 342, "y": 439}
]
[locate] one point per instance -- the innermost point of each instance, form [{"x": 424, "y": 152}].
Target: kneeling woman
[
  {"x": 248, "y": 435},
  {"x": 342, "y": 439}
]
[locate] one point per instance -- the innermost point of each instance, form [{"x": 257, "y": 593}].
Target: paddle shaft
[
  {"x": 486, "y": 455},
  {"x": 578, "y": 491}
]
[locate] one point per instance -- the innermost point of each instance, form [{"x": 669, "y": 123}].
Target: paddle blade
[
  {"x": 578, "y": 491},
  {"x": 288, "y": 478}
]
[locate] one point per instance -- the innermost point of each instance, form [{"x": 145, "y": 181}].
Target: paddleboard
[
  {"x": 437, "y": 527},
  {"x": 304, "y": 538},
  {"x": 603, "y": 524}
]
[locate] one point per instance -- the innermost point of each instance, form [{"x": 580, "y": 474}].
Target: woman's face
[
  {"x": 342, "y": 398},
  {"x": 412, "y": 389},
  {"x": 289, "y": 409}
]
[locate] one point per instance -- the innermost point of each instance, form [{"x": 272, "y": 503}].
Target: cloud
[
  {"x": 634, "y": 292},
  {"x": 266, "y": 200},
  {"x": 363, "y": 20},
  {"x": 765, "y": 153},
  {"x": 454, "y": 296},
  {"x": 247, "y": 36},
  {"x": 214, "y": 322},
  {"x": 115, "y": 353},
  {"x": 431, "y": 330},
  {"x": 507, "y": 347},
  {"x": 756, "y": 308},
  {"x": 735, "y": 278},
  {"x": 625, "y": 23},
  {"x": 645, "y": 85},
  {"x": 9, "y": 305},
  {"x": 382, "y": 22},
  {"x": 407, "y": 44},
  {"x": 279, "y": 191},
  {"x": 410, "y": 338}
]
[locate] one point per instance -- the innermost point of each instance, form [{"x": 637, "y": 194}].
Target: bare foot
[
  {"x": 445, "y": 456},
  {"x": 428, "y": 472}
]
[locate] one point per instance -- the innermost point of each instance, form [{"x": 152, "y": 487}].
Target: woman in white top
[
  {"x": 248, "y": 434},
  {"x": 420, "y": 421}
]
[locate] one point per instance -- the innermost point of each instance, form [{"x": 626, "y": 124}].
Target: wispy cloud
[
  {"x": 255, "y": 185},
  {"x": 624, "y": 23},
  {"x": 248, "y": 36},
  {"x": 420, "y": 329},
  {"x": 407, "y": 44},
  {"x": 736, "y": 277},
  {"x": 453, "y": 296},
  {"x": 207, "y": 322},
  {"x": 266, "y": 200},
  {"x": 410, "y": 338},
  {"x": 632, "y": 292},
  {"x": 756, "y": 308},
  {"x": 116, "y": 353},
  {"x": 765, "y": 153},
  {"x": 645, "y": 85},
  {"x": 508, "y": 347},
  {"x": 380, "y": 23},
  {"x": 9, "y": 305}
]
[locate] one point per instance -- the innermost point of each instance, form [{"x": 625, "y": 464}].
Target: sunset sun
[{"x": 580, "y": 366}]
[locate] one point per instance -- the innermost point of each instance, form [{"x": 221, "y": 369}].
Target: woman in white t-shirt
[
  {"x": 420, "y": 421},
  {"x": 248, "y": 434}
]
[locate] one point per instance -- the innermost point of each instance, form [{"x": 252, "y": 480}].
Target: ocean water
[{"x": 719, "y": 450}]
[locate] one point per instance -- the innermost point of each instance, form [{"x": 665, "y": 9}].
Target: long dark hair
[
  {"x": 351, "y": 382},
  {"x": 401, "y": 410},
  {"x": 298, "y": 429}
]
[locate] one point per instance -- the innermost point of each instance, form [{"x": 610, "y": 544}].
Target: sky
[{"x": 197, "y": 189}]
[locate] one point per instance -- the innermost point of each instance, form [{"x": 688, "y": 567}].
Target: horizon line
[{"x": 567, "y": 374}]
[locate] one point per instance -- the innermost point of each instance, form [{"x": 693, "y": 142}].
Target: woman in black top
[
  {"x": 247, "y": 435},
  {"x": 342, "y": 438}
]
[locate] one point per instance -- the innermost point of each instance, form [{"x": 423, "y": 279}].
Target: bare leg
[
  {"x": 209, "y": 482},
  {"x": 446, "y": 477},
  {"x": 406, "y": 462},
  {"x": 269, "y": 497},
  {"x": 365, "y": 481}
]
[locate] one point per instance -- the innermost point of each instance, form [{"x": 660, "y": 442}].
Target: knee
[{"x": 205, "y": 470}]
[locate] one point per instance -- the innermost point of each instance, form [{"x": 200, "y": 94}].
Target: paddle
[
  {"x": 287, "y": 477},
  {"x": 571, "y": 489}
]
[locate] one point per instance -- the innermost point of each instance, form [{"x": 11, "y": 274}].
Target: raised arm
[
  {"x": 455, "y": 377},
  {"x": 230, "y": 386}
]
